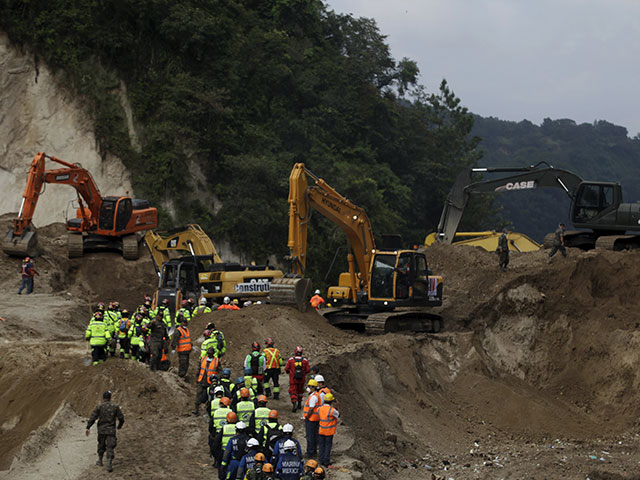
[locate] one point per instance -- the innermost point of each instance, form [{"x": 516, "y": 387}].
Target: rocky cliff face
[{"x": 37, "y": 115}]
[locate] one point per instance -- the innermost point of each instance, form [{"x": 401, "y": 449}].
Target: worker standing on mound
[
  {"x": 227, "y": 305},
  {"x": 98, "y": 336},
  {"x": 558, "y": 243},
  {"x": 124, "y": 325},
  {"x": 255, "y": 363},
  {"x": 297, "y": 367},
  {"x": 184, "y": 311},
  {"x": 202, "y": 309},
  {"x": 106, "y": 414},
  {"x": 209, "y": 365},
  {"x": 311, "y": 417},
  {"x": 157, "y": 334},
  {"x": 181, "y": 343},
  {"x": 26, "y": 273},
  {"x": 272, "y": 371},
  {"x": 317, "y": 301},
  {"x": 503, "y": 250}
]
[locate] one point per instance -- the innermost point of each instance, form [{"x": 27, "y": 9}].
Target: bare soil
[{"x": 534, "y": 376}]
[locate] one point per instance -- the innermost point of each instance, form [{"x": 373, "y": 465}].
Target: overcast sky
[{"x": 521, "y": 59}]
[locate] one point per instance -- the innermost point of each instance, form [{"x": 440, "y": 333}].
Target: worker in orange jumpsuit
[
  {"x": 297, "y": 367},
  {"x": 227, "y": 305},
  {"x": 316, "y": 301}
]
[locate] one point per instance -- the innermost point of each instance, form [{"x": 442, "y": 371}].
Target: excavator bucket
[
  {"x": 291, "y": 291},
  {"x": 21, "y": 245}
]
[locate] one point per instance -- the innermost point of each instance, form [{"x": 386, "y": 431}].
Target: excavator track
[
  {"x": 618, "y": 242},
  {"x": 130, "y": 250},
  {"x": 378, "y": 323},
  {"x": 75, "y": 246}
]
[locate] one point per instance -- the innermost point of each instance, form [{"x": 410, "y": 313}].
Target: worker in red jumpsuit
[{"x": 297, "y": 367}]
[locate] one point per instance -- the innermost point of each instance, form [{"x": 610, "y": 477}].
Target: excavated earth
[{"x": 533, "y": 377}]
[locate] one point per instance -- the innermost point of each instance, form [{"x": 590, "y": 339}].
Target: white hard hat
[
  {"x": 253, "y": 443},
  {"x": 241, "y": 426},
  {"x": 289, "y": 446},
  {"x": 226, "y": 300},
  {"x": 203, "y": 301},
  {"x": 319, "y": 378},
  {"x": 317, "y": 292},
  {"x": 247, "y": 303},
  {"x": 218, "y": 390},
  {"x": 258, "y": 302},
  {"x": 288, "y": 428}
]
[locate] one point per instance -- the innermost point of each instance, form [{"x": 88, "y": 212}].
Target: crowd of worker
[{"x": 246, "y": 437}]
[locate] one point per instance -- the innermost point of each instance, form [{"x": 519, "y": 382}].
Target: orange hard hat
[
  {"x": 232, "y": 417},
  {"x": 226, "y": 401},
  {"x": 267, "y": 468},
  {"x": 273, "y": 414},
  {"x": 262, "y": 399},
  {"x": 244, "y": 393},
  {"x": 311, "y": 463},
  {"x": 318, "y": 473},
  {"x": 259, "y": 457}
]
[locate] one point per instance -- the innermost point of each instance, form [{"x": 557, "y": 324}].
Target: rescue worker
[
  {"x": 202, "y": 308},
  {"x": 124, "y": 325},
  {"x": 309, "y": 467},
  {"x": 27, "y": 273},
  {"x": 223, "y": 435},
  {"x": 297, "y": 367},
  {"x": 225, "y": 381},
  {"x": 270, "y": 432},
  {"x": 245, "y": 407},
  {"x": 248, "y": 459},
  {"x": 218, "y": 420},
  {"x": 268, "y": 472},
  {"x": 191, "y": 306},
  {"x": 322, "y": 388},
  {"x": 135, "y": 334},
  {"x": 106, "y": 414},
  {"x": 311, "y": 418},
  {"x": 328, "y": 425},
  {"x": 319, "y": 473},
  {"x": 233, "y": 452},
  {"x": 503, "y": 250},
  {"x": 273, "y": 365},
  {"x": 255, "y": 473},
  {"x": 289, "y": 466},
  {"x": 184, "y": 311},
  {"x": 287, "y": 435},
  {"x": 98, "y": 336},
  {"x": 157, "y": 335},
  {"x": 227, "y": 305},
  {"x": 164, "y": 312},
  {"x": 255, "y": 362},
  {"x": 317, "y": 301},
  {"x": 181, "y": 343},
  {"x": 216, "y": 339},
  {"x": 260, "y": 415},
  {"x": 558, "y": 243},
  {"x": 112, "y": 319},
  {"x": 208, "y": 366}
]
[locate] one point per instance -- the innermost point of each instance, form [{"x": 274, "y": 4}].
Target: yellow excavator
[
  {"x": 188, "y": 266},
  {"x": 384, "y": 290}
]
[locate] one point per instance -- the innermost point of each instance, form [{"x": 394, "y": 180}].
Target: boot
[
  {"x": 99, "y": 461},
  {"x": 295, "y": 407},
  {"x": 299, "y": 404},
  {"x": 109, "y": 464}
]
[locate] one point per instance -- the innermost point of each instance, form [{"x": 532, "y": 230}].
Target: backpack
[
  {"x": 219, "y": 341},
  {"x": 255, "y": 364},
  {"x": 124, "y": 325},
  {"x": 297, "y": 371}
]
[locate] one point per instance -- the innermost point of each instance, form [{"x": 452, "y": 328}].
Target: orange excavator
[{"x": 101, "y": 222}]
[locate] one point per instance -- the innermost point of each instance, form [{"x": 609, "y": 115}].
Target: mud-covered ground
[{"x": 535, "y": 375}]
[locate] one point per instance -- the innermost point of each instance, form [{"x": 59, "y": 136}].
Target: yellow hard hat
[
  {"x": 312, "y": 383},
  {"x": 329, "y": 397}
]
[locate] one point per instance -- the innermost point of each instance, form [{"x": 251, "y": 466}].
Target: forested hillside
[
  {"x": 599, "y": 151},
  {"x": 227, "y": 95}
]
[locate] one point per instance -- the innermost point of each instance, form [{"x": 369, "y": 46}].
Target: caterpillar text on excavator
[
  {"x": 101, "y": 222},
  {"x": 596, "y": 207},
  {"x": 384, "y": 290}
]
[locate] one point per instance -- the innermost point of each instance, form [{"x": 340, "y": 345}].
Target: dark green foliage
[
  {"x": 228, "y": 94},
  {"x": 600, "y": 151}
]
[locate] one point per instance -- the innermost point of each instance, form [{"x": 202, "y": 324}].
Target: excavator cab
[
  {"x": 594, "y": 200},
  {"x": 115, "y": 214}
]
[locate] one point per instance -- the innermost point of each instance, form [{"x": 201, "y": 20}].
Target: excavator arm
[
  {"x": 190, "y": 239},
  {"x": 526, "y": 178}
]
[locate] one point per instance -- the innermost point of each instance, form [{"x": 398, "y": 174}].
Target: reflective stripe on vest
[
  {"x": 261, "y": 415},
  {"x": 228, "y": 431},
  {"x": 309, "y": 413},
  {"x": 244, "y": 410},
  {"x": 220, "y": 416},
  {"x": 211, "y": 369},
  {"x": 98, "y": 332},
  {"x": 328, "y": 422},
  {"x": 272, "y": 356},
  {"x": 215, "y": 403},
  {"x": 184, "y": 342}
]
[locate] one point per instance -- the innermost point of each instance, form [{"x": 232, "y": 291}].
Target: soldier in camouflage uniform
[{"x": 106, "y": 414}]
